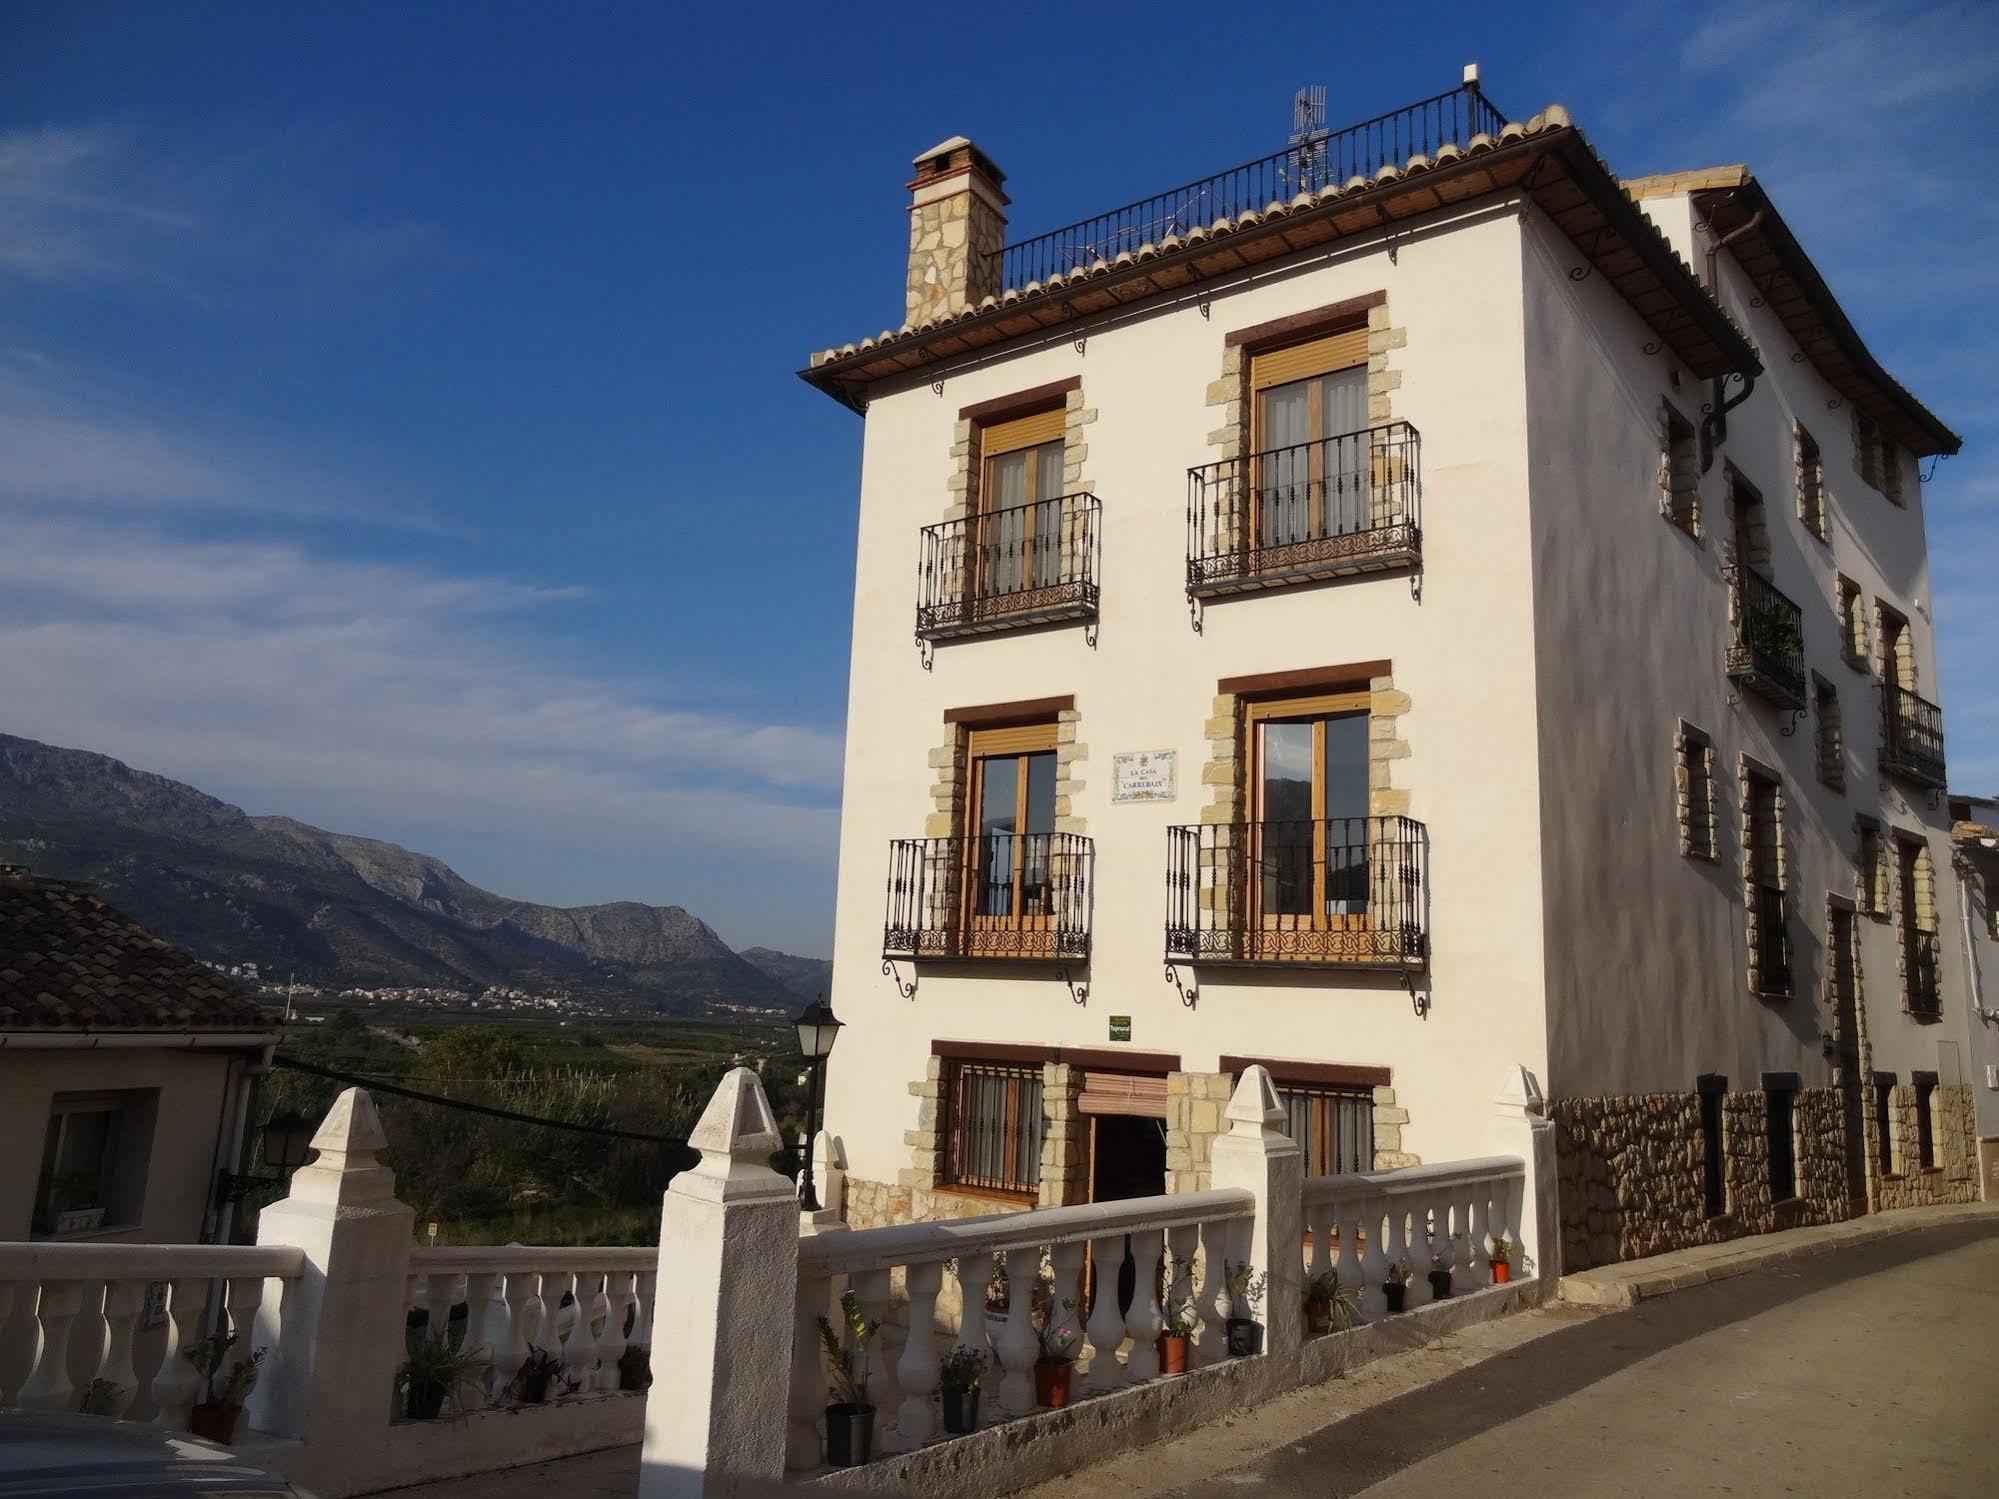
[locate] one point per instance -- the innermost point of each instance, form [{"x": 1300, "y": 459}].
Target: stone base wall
[
  {"x": 1194, "y": 1104},
  {"x": 1632, "y": 1178},
  {"x": 1954, "y": 1178}
]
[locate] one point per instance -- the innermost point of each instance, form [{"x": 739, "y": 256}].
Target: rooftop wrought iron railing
[
  {"x": 994, "y": 895},
  {"x": 1005, "y": 569},
  {"x": 1766, "y": 647},
  {"x": 1911, "y": 736},
  {"x": 1330, "y": 892},
  {"x": 1344, "y": 504},
  {"x": 1322, "y": 159}
]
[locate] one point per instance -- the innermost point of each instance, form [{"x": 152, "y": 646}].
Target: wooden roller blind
[
  {"x": 1043, "y": 426},
  {"x": 1336, "y": 351},
  {"x": 1123, "y": 1093},
  {"x": 1021, "y": 739}
]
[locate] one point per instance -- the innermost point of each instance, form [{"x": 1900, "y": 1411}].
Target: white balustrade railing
[
  {"x": 124, "y": 1314},
  {"x": 1044, "y": 1249},
  {"x": 1446, "y": 1216},
  {"x": 584, "y": 1306}
]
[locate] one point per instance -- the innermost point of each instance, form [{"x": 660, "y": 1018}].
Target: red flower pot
[
  {"x": 1502, "y": 1272},
  {"x": 1172, "y": 1354},
  {"x": 1051, "y": 1381}
]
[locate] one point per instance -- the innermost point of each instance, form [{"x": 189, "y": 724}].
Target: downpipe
[{"x": 1714, "y": 423}]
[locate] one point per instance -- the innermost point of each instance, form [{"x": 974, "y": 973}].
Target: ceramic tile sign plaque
[
  {"x": 1143, "y": 776},
  {"x": 1120, "y": 1027}
]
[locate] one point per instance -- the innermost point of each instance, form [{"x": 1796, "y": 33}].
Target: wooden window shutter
[
  {"x": 1320, "y": 356},
  {"x": 1021, "y": 739},
  {"x": 1024, "y": 432},
  {"x": 1123, "y": 1093}
]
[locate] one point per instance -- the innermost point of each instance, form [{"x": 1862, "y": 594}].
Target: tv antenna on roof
[{"x": 1309, "y": 136}]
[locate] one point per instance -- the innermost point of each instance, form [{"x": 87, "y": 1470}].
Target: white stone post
[
  {"x": 1521, "y": 1127},
  {"x": 829, "y": 1176},
  {"x": 1256, "y": 1156},
  {"x": 727, "y": 1291},
  {"x": 341, "y": 1339}
]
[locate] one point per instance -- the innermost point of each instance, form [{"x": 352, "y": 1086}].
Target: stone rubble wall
[{"x": 1955, "y": 1176}]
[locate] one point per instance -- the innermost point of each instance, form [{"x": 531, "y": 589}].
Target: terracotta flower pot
[
  {"x": 1502, "y": 1272},
  {"x": 1172, "y": 1354},
  {"x": 214, "y": 1421},
  {"x": 1051, "y": 1381}
]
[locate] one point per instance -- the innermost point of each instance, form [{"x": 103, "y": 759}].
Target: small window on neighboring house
[
  {"x": 1884, "y": 1118},
  {"x": 1780, "y": 1097},
  {"x": 1852, "y": 624},
  {"x": 1693, "y": 778},
  {"x": 1811, "y": 485},
  {"x": 1873, "y": 861},
  {"x": 992, "y": 1139},
  {"x": 1768, "y": 923},
  {"x": 1714, "y": 1182},
  {"x": 1830, "y": 739},
  {"x": 1679, "y": 471},
  {"x": 1926, "y": 1129},
  {"x": 1876, "y": 456},
  {"x": 94, "y": 1156},
  {"x": 1333, "y": 1126}
]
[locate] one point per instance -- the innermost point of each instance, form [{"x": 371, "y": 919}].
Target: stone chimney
[{"x": 957, "y": 224}]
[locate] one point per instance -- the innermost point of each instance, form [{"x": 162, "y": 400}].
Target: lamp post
[
  {"x": 286, "y": 1138},
  {"x": 817, "y": 1030}
]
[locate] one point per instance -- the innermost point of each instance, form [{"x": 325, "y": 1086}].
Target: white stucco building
[{"x": 1408, "y": 605}]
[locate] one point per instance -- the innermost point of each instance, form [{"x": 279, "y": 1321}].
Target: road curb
[{"x": 1633, "y": 1281}]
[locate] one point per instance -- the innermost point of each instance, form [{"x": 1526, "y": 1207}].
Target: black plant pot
[
  {"x": 534, "y": 1388},
  {"x": 850, "y": 1435},
  {"x": 423, "y": 1401},
  {"x": 1396, "y": 1292},
  {"x": 961, "y": 1411},
  {"x": 1440, "y": 1284},
  {"x": 1245, "y": 1337}
]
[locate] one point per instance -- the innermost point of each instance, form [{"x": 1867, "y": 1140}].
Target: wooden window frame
[
  {"x": 1017, "y": 432},
  {"x": 1696, "y": 755},
  {"x": 1883, "y": 1084},
  {"x": 1925, "y": 1086},
  {"x": 1784, "y": 1086},
  {"x": 1017, "y": 742},
  {"x": 1316, "y": 709},
  {"x": 1306, "y": 361},
  {"x": 1019, "y": 1180}
]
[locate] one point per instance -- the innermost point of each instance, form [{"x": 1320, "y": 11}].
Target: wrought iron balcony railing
[
  {"x": 1773, "y": 942},
  {"x": 997, "y": 895},
  {"x": 1922, "y": 981},
  {"x": 1322, "y": 158},
  {"x": 1338, "y": 892},
  {"x": 1346, "y": 504},
  {"x": 1911, "y": 737},
  {"x": 1766, "y": 644},
  {"x": 1007, "y": 569}
]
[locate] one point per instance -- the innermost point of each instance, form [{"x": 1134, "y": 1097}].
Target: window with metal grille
[
  {"x": 1811, "y": 485},
  {"x": 993, "y": 1138},
  {"x": 1333, "y": 1126},
  {"x": 1926, "y": 1128},
  {"x": 1714, "y": 1184},
  {"x": 1780, "y": 1105},
  {"x": 1694, "y": 788},
  {"x": 1884, "y": 1120}
]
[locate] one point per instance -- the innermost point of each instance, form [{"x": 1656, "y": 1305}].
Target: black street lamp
[
  {"x": 817, "y": 1030},
  {"x": 286, "y": 1138}
]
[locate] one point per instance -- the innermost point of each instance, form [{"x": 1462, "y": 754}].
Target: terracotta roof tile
[{"x": 68, "y": 961}]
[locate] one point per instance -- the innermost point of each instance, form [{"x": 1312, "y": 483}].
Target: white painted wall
[
  {"x": 1647, "y": 949},
  {"x": 1971, "y": 877},
  {"x": 192, "y": 1088},
  {"x": 1463, "y": 653}
]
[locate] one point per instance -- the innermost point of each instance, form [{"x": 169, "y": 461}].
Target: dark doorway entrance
[
  {"x": 1127, "y": 1159},
  {"x": 1846, "y": 1010}
]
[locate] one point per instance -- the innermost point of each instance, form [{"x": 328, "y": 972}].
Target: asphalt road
[{"x": 1874, "y": 1371}]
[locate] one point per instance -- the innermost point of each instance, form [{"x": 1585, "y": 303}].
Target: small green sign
[{"x": 1120, "y": 1027}]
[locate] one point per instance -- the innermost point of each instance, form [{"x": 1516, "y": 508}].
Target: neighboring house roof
[
  {"x": 1545, "y": 157},
  {"x": 1729, "y": 198},
  {"x": 70, "y": 962}
]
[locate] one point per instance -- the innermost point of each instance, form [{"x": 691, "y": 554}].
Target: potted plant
[
  {"x": 850, "y": 1419},
  {"x": 958, "y": 1382},
  {"x": 1440, "y": 1273},
  {"x": 537, "y": 1372},
  {"x": 635, "y": 1367},
  {"x": 1502, "y": 1260},
  {"x": 1396, "y": 1286},
  {"x": 73, "y": 1206},
  {"x": 1245, "y": 1333},
  {"x": 215, "y": 1415},
  {"x": 1176, "y": 1337},
  {"x": 1061, "y": 1333},
  {"x": 436, "y": 1368},
  {"x": 1330, "y": 1306},
  {"x": 996, "y": 1292}
]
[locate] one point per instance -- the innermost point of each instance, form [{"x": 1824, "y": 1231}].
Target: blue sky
[{"x": 398, "y": 427}]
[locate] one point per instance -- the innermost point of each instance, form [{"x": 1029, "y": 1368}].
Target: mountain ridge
[{"x": 340, "y": 909}]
